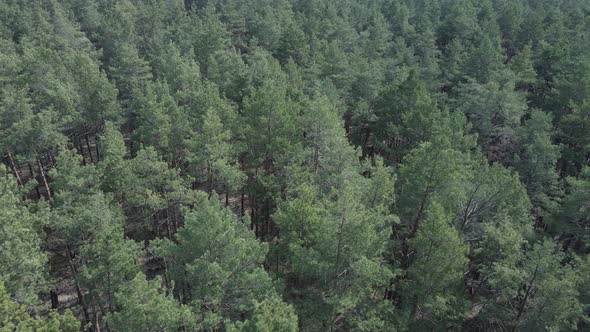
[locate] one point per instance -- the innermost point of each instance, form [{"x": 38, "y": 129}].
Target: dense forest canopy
[{"x": 295, "y": 165}]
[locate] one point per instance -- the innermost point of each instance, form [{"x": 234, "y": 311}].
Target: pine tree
[
  {"x": 26, "y": 132},
  {"x": 154, "y": 126},
  {"x": 154, "y": 193},
  {"x": 494, "y": 110},
  {"x": 511, "y": 17},
  {"x": 576, "y": 144},
  {"x": 572, "y": 218},
  {"x": 271, "y": 314},
  {"x": 98, "y": 102},
  {"x": 522, "y": 66},
  {"x": 114, "y": 169},
  {"x": 434, "y": 290},
  {"x": 129, "y": 71},
  {"x": 14, "y": 317},
  {"x": 333, "y": 246},
  {"x": 270, "y": 124},
  {"x": 210, "y": 35},
  {"x": 405, "y": 116},
  {"x": 109, "y": 262},
  {"x": 326, "y": 151},
  {"x": 212, "y": 155},
  {"x": 542, "y": 293},
  {"x": 538, "y": 161},
  {"x": 495, "y": 220},
  {"x": 229, "y": 71},
  {"x": 430, "y": 173},
  {"x": 144, "y": 305},
  {"x": 485, "y": 61},
  {"x": 24, "y": 273},
  {"x": 215, "y": 264},
  {"x": 459, "y": 21},
  {"x": 402, "y": 165}
]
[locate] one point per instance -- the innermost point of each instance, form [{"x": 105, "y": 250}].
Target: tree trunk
[
  {"x": 88, "y": 148},
  {"x": 168, "y": 232},
  {"x": 78, "y": 291},
  {"x": 209, "y": 180},
  {"x": 420, "y": 213},
  {"x": 156, "y": 226},
  {"x": 176, "y": 225},
  {"x": 97, "y": 151},
  {"x": 339, "y": 245},
  {"x": 242, "y": 204},
  {"x": 15, "y": 169},
  {"x": 405, "y": 259},
  {"x": 95, "y": 312},
  {"x": 54, "y": 299},
  {"x": 33, "y": 177},
  {"x": 466, "y": 213},
  {"x": 44, "y": 180},
  {"x": 525, "y": 299},
  {"x": 82, "y": 153}
]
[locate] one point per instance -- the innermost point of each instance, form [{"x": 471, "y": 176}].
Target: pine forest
[{"x": 294, "y": 165}]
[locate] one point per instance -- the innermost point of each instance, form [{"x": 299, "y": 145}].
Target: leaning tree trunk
[
  {"x": 15, "y": 169},
  {"x": 44, "y": 180}
]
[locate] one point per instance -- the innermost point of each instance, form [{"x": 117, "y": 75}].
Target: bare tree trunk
[
  {"x": 97, "y": 151},
  {"x": 209, "y": 180},
  {"x": 88, "y": 147},
  {"x": 44, "y": 180},
  {"x": 339, "y": 245},
  {"x": 95, "y": 312},
  {"x": 522, "y": 305},
  {"x": 242, "y": 204},
  {"x": 267, "y": 220},
  {"x": 50, "y": 159},
  {"x": 54, "y": 299},
  {"x": 78, "y": 291},
  {"x": 97, "y": 326},
  {"x": 15, "y": 169},
  {"x": 175, "y": 221},
  {"x": 168, "y": 232},
  {"x": 156, "y": 226},
  {"x": 32, "y": 177},
  {"x": 82, "y": 152}
]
